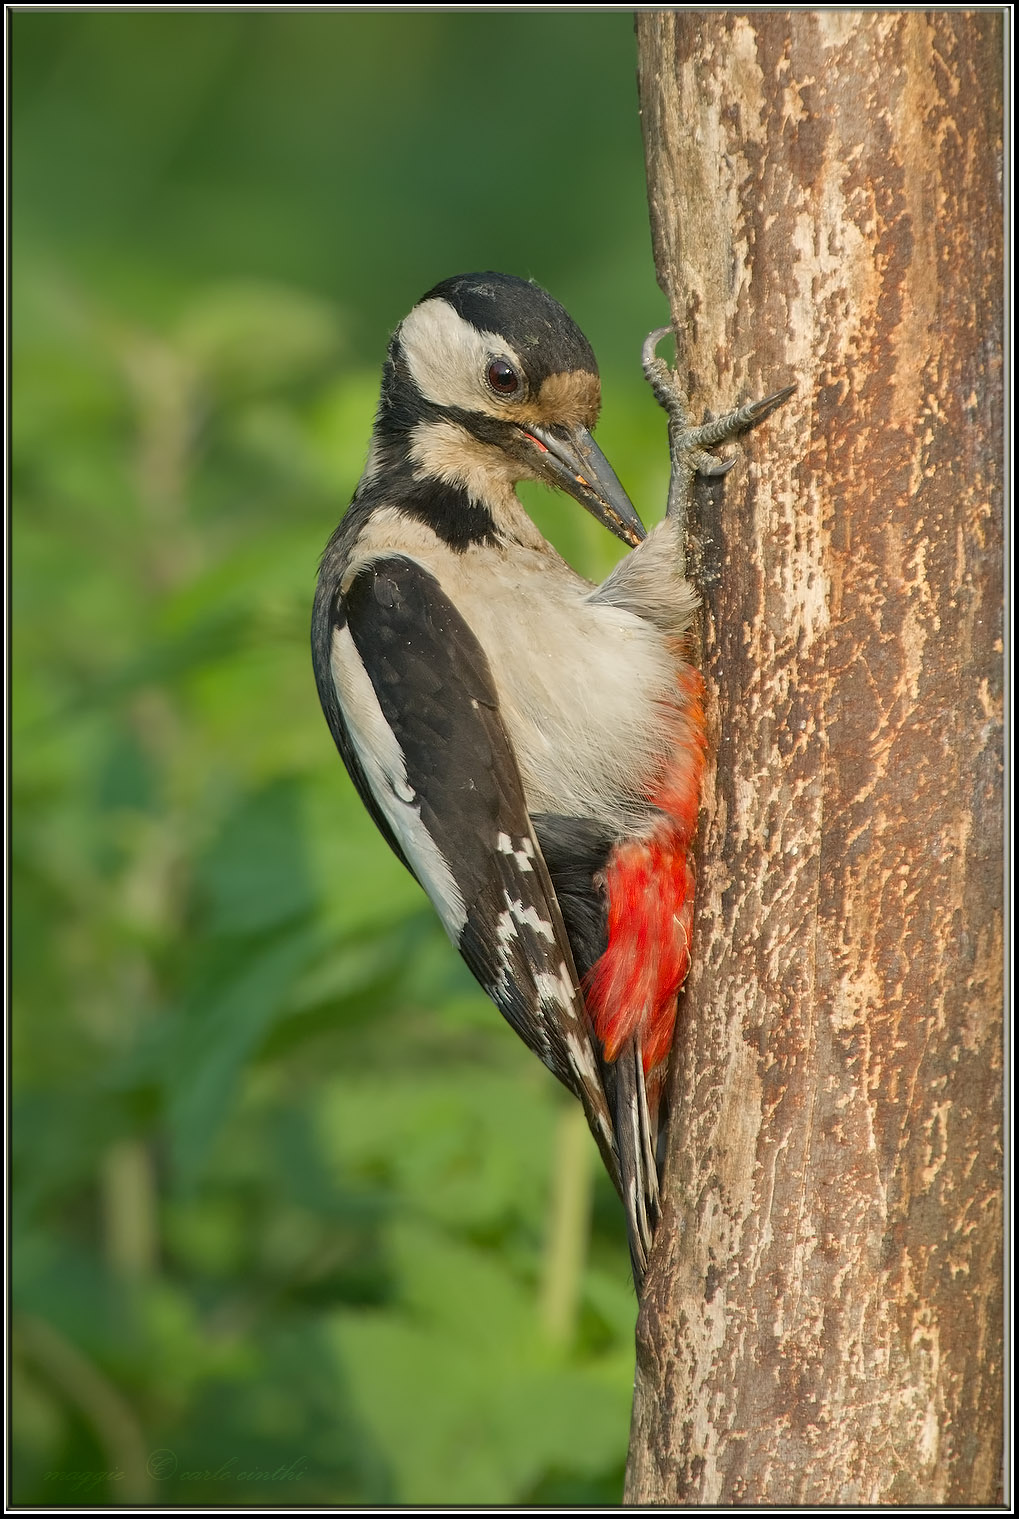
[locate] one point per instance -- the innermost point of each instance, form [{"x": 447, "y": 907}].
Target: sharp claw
[
  {"x": 651, "y": 342},
  {"x": 715, "y": 468},
  {"x": 758, "y": 410}
]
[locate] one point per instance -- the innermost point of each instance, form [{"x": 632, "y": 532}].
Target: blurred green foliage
[{"x": 284, "y": 1220}]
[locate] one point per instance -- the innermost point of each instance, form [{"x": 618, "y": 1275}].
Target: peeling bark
[{"x": 822, "y": 1321}]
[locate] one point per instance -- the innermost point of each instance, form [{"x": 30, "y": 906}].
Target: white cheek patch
[
  {"x": 448, "y": 358},
  {"x": 382, "y": 761}
]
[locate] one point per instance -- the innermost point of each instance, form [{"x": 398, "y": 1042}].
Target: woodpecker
[{"x": 529, "y": 744}]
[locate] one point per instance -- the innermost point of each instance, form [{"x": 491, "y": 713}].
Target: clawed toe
[{"x": 688, "y": 444}]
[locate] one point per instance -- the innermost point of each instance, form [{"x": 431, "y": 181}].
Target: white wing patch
[
  {"x": 558, "y": 989},
  {"x": 381, "y": 759},
  {"x": 512, "y": 919},
  {"x": 582, "y": 1056},
  {"x": 578, "y": 1045},
  {"x": 531, "y": 918},
  {"x": 523, "y": 852}
]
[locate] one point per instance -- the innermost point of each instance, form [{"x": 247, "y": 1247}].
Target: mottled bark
[{"x": 822, "y": 1321}]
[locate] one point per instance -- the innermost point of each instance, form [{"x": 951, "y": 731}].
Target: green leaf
[
  {"x": 459, "y": 1392},
  {"x": 220, "y": 1030},
  {"x": 255, "y": 876},
  {"x": 251, "y": 336}
]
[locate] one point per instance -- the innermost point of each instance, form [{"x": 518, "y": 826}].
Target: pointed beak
[{"x": 572, "y": 460}]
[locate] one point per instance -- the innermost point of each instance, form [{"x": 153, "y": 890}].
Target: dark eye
[{"x": 503, "y": 378}]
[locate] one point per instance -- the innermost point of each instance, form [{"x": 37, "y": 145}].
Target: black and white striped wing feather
[{"x": 410, "y": 698}]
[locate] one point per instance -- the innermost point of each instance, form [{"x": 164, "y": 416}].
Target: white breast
[{"x": 585, "y": 688}]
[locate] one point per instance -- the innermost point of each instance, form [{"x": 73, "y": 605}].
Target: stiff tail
[{"x": 635, "y": 1128}]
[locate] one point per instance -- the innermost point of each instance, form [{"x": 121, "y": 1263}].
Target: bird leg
[{"x": 688, "y": 444}]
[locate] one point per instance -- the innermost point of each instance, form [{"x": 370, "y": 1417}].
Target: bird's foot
[{"x": 688, "y": 444}]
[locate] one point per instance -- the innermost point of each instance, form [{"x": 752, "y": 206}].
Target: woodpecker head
[{"x": 489, "y": 381}]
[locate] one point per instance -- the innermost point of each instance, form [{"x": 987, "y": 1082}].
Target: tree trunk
[{"x": 823, "y": 1315}]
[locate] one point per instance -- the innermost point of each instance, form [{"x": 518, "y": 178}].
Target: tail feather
[
  {"x": 638, "y": 1170},
  {"x": 647, "y": 1124}
]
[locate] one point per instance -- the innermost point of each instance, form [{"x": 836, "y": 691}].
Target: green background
[{"x": 284, "y": 1185}]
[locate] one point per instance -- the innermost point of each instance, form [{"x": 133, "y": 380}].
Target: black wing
[
  {"x": 327, "y": 617},
  {"x": 413, "y": 708}
]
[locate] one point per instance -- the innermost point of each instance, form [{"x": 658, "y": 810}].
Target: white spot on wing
[
  {"x": 560, "y": 990},
  {"x": 555, "y": 989},
  {"x": 582, "y": 1056},
  {"x": 530, "y": 917},
  {"x": 523, "y": 853},
  {"x": 506, "y": 933},
  {"x": 507, "y": 936}
]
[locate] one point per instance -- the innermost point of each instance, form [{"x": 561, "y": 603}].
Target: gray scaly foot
[{"x": 687, "y": 443}]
